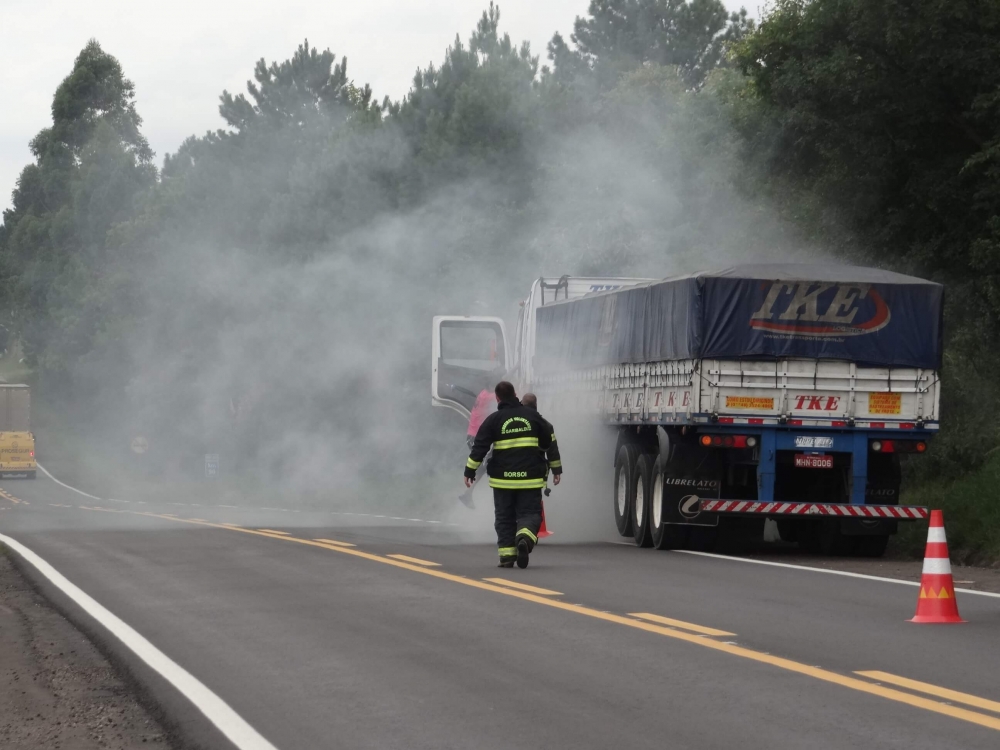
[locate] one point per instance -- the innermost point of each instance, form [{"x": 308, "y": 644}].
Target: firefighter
[
  {"x": 552, "y": 459},
  {"x": 517, "y": 472},
  {"x": 483, "y": 407}
]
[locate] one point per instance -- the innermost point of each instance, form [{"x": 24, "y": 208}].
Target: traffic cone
[
  {"x": 542, "y": 531},
  {"x": 936, "y": 603}
]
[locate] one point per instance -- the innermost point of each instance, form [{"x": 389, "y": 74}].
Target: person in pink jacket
[{"x": 485, "y": 405}]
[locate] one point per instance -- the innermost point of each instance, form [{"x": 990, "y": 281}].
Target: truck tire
[
  {"x": 824, "y": 538},
  {"x": 871, "y": 546},
  {"x": 663, "y": 535},
  {"x": 622, "y": 501},
  {"x": 642, "y": 494}
]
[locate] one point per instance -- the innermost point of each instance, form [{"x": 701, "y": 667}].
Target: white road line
[
  {"x": 825, "y": 570},
  {"x": 63, "y": 484},
  {"x": 216, "y": 710}
]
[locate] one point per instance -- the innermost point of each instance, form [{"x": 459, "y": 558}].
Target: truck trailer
[{"x": 769, "y": 392}]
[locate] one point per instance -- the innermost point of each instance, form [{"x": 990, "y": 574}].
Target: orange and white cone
[
  {"x": 542, "y": 531},
  {"x": 936, "y": 603}
]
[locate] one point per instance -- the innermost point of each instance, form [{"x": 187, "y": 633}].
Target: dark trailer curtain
[{"x": 864, "y": 315}]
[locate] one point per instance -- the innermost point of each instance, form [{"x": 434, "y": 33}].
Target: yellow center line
[
  {"x": 415, "y": 560},
  {"x": 524, "y": 587},
  {"x": 679, "y": 624},
  {"x": 789, "y": 665},
  {"x": 269, "y": 531},
  {"x": 335, "y": 542},
  {"x": 940, "y": 692}
]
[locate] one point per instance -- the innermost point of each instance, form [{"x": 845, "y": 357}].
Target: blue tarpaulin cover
[{"x": 763, "y": 311}]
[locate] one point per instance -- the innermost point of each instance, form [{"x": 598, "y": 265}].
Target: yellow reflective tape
[
  {"x": 517, "y": 484},
  {"x": 527, "y": 533},
  {"x": 555, "y": 464},
  {"x": 500, "y": 445},
  {"x": 508, "y": 551},
  {"x": 553, "y": 437},
  {"x": 470, "y": 464}
]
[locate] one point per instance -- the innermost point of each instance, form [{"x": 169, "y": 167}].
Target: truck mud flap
[{"x": 682, "y": 496}]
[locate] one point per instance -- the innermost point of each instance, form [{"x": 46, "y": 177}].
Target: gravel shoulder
[{"x": 56, "y": 689}]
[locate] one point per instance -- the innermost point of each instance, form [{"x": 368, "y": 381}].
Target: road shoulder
[{"x": 56, "y": 689}]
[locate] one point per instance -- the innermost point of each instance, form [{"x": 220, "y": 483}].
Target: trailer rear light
[
  {"x": 32, "y": 454},
  {"x": 899, "y": 446},
  {"x": 728, "y": 441}
]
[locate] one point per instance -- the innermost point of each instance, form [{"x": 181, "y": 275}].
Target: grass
[{"x": 971, "y": 508}]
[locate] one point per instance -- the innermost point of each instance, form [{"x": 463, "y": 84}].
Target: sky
[{"x": 181, "y": 54}]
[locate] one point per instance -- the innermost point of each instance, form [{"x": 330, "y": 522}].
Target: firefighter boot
[
  {"x": 523, "y": 550},
  {"x": 507, "y": 563}
]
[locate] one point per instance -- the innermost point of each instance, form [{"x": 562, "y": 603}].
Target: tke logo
[
  {"x": 817, "y": 403},
  {"x": 814, "y": 309}
]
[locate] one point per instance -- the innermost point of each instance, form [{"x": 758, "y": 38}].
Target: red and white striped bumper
[{"x": 840, "y": 510}]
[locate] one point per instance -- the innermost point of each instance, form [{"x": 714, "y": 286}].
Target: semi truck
[
  {"x": 17, "y": 443},
  {"x": 781, "y": 393}
]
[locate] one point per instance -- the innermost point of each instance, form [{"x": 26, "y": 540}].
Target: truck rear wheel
[
  {"x": 624, "y": 470},
  {"x": 642, "y": 495},
  {"x": 663, "y": 535},
  {"x": 824, "y": 538},
  {"x": 871, "y": 546}
]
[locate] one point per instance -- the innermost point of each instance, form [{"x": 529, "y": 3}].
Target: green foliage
[
  {"x": 296, "y": 93},
  {"x": 475, "y": 115},
  {"x": 971, "y": 514},
  {"x": 92, "y": 167},
  {"x": 621, "y": 35}
]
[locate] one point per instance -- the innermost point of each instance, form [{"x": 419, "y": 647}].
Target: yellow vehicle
[{"x": 17, "y": 444}]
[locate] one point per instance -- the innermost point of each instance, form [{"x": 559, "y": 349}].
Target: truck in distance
[{"x": 17, "y": 443}]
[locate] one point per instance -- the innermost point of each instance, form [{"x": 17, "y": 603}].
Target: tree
[
  {"x": 620, "y": 35},
  {"x": 296, "y": 91},
  {"x": 91, "y": 166},
  {"x": 476, "y": 112}
]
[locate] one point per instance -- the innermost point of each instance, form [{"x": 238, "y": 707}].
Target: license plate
[{"x": 805, "y": 461}]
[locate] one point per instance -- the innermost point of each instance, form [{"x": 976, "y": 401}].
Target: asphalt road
[{"x": 321, "y": 645}]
